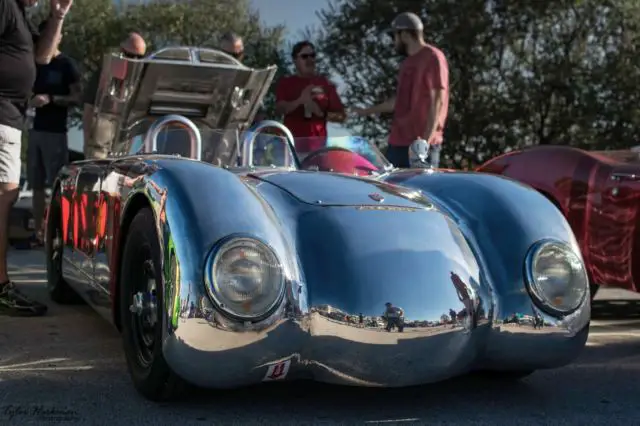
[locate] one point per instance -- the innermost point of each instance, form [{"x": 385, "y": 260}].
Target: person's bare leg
[
  {"x": 38, "y": 210},
  {"x": 8, "y": 196},
  {"x": 12, "y": 300}
]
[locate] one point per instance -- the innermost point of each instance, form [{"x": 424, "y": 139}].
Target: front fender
[
  {"x": 502, "y": 219},
  {"x": 195, "y": 206},
  {"x": 504, "y": 216}
]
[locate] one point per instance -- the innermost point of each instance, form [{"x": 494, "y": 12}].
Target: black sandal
[{"x": 14, "y": 303}]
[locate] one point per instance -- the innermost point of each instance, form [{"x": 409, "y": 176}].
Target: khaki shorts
[
  {"x": 10, "y": 147},
  {"x": 100, "y": 143}
]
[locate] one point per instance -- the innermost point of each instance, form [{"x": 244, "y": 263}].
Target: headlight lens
[
  {"x": 245, "y": 278},
  {"x": 556, "y": 276}
]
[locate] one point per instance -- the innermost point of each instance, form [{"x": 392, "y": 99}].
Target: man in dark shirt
[
  {"x": 56, "y": 88},
  {"x": 394, "y": 317},
  {"x": 97, "y": 141},
  {"x": 18, "y": 58}
]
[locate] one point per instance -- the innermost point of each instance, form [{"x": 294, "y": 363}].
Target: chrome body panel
[
  {"x": 447, "y": 248},
  {"x": 340, "y": 257}
]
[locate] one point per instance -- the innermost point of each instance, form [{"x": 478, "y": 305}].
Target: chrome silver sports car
[{"x": 224, "y": 264}]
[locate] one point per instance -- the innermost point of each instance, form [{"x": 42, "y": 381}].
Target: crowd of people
[{"x": 35, "y": 74}]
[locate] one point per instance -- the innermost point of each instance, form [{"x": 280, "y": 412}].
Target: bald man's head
[
  {"x": 134, "y": 45},
  {"x": 232, "y": 44}
]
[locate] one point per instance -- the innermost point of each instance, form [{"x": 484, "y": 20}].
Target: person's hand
[
  {"x": 60, "y": 8},
  {"x": 307, "y": 95},
  {"x": 40, "y": 100}
]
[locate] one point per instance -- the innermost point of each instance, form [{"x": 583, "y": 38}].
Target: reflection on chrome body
[{"x": 448, "y": 249}]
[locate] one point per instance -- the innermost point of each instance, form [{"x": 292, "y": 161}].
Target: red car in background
[{"x": 599, "y": 193}]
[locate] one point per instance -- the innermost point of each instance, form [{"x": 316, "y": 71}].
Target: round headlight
[
  {"x": 245, "y": 278},
  {"x": 557, "y": 277}
]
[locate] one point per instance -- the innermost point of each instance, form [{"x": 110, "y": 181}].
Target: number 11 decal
[{"x": 277, "y": 371}]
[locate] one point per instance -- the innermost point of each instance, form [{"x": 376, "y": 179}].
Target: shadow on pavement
[
  {"x": 104, "y": 391},
  {"x": 615, "y": 309}
]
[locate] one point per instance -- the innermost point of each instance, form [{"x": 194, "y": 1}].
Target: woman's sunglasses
[{"x": 308, "y": 56}]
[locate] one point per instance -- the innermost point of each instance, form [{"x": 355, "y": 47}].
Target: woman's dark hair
[{"x": 299, "y": 46}]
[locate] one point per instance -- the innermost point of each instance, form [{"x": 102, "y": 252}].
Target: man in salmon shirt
[
  {"x": 422, "y": 98},
  {"x": 307, "y": 100}
]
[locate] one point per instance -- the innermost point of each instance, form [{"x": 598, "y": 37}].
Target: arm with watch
[
  {"x": 43, "y": 99},
  {"x": 67, "y": 100}
]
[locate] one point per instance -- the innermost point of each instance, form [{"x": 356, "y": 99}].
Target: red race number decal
[{"x": 277, "y": 371}]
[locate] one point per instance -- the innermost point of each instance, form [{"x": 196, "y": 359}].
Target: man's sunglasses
[
  {"x": 129, "y": 55},
  {"x": 307, "y": 56}
]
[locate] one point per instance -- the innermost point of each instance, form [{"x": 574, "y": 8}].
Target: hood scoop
[{"x": 328, "y": 189}]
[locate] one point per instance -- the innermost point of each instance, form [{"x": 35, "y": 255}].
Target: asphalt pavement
[{"x": 68, "y": 369}]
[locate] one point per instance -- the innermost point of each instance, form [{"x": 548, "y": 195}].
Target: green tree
[{"x": 521, "y": 72}]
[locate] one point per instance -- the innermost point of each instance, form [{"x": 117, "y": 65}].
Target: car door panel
[{"x": 613, "y": 230}]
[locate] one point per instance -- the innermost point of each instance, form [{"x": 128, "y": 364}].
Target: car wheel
[
  {"x": 59, "y": 290},
  {"x": 141, "y": 301}
]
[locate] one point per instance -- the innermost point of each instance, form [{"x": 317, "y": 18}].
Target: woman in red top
[{"x": 307, "y": 100}]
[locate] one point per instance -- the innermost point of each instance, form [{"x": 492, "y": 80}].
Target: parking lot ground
[{"x": 68, "y": 368}]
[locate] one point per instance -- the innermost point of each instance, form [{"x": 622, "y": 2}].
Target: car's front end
[{"x": 279, "y": 295}]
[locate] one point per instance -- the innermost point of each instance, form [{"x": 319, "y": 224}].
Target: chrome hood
[
  {"x": 357, "y": 260},
  {"x": 370, "y": 243},
  {"x": 329, "y": 189}
]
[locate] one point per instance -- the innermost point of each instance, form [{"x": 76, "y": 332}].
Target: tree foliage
[
  {"x": 521, "y": 72},
  {"x": 95, "y": 27}
]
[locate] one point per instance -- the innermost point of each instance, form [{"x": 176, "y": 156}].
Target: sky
[{"x": 295, "y": 15}]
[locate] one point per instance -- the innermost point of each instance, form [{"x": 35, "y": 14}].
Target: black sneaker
[{"x": 14, "y": 303}]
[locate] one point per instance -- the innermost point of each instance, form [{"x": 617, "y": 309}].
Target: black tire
[
  {"x": 593, "y": 290},
  {"x": 142, "y": 338},
  {"x": 59, "y": 290},
  {"x": 22, "y": 244}
]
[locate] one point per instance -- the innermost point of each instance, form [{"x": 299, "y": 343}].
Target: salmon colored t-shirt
[
  {"x": 420, "y": 74},
  {"x": 310, "y": 133}
]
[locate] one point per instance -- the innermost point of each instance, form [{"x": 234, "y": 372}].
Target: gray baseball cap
[{"x": 406, "y": 21}]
